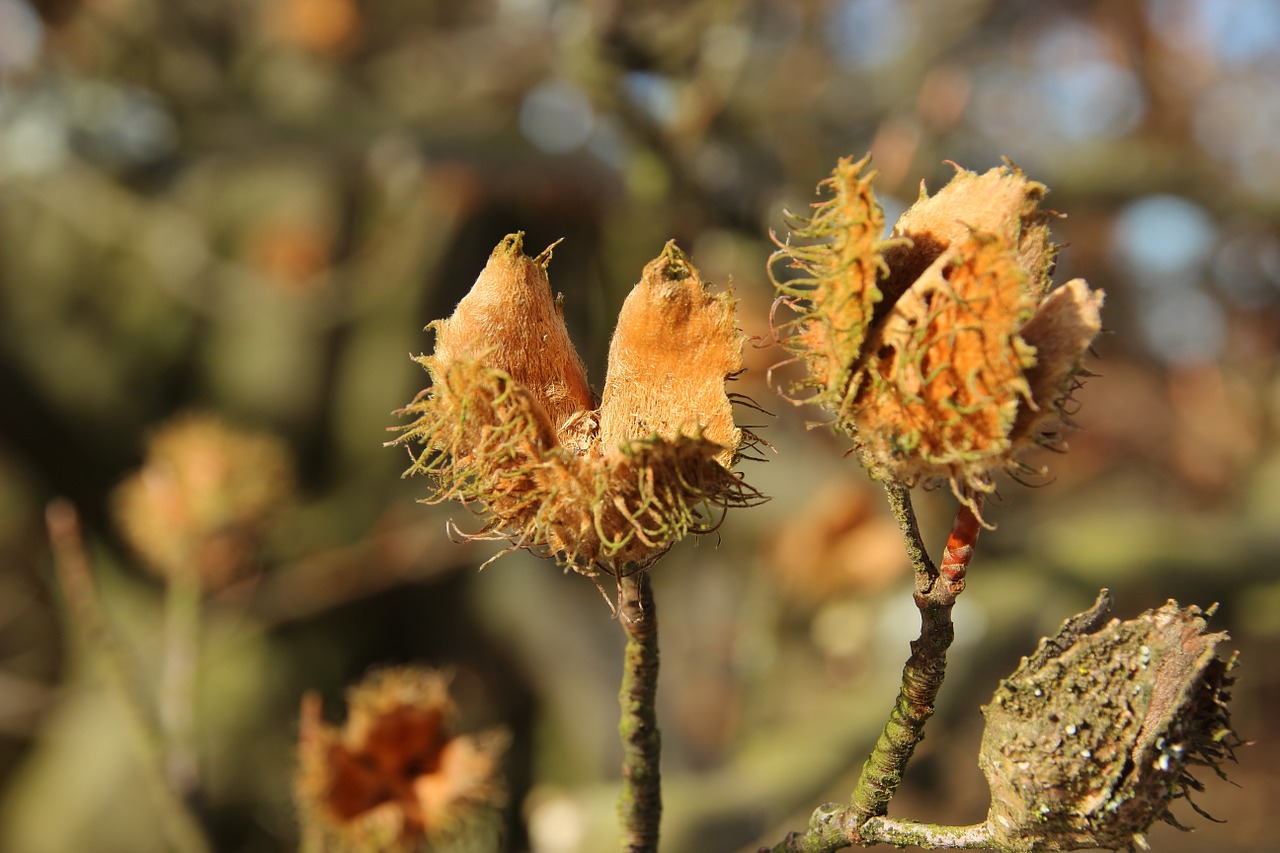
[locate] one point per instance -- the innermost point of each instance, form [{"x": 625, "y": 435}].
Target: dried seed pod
[
  {"x": 1000, "y": 201},
  {"x": 1095, "y": 735},
  {"x": 394, "y": 775},
  {"x": 200, "y": 504},
  {"x": 603, "y": 491},
  {"x": 1060, "y": 333},
  {"x": 937, "y": 350},
  {"x": 945, "y": 375}
]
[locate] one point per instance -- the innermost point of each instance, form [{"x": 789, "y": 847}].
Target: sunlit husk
[
  {"x": 1061, "y": 332},
  {"x": 1001, "y": 201},
  {"x": 671, "y": 352},
  {"x": 933, "y": 349},
  {"x": 945, "y": 377},
  {"x": 839, "y": 256},
  {"x": 603, "y": 491},
  {"x": 510, "y": 321}
]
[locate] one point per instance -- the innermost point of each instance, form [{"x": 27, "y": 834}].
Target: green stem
[
  {"x": 900, "y": 833},
  {"x": 75, "y": 574},
  {"x": 177, "y": 682},
  {"x": 862, "y": 821},
  {"x": 640, "y": 806},
  {"x": 935, "y": 594},
  {"x": 904, "y": 513},
  {"x": 830, "y": 825}
]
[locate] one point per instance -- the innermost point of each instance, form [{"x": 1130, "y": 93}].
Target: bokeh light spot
[
  {"x": 865, "y": 34},
  {"x": 21, "y": 35},
  {"x": 652, "y": 93},
  {"x": 1183, "y": 325},
  {"x": 556, "y": 117},
  {"x": 1160, "y": 235}
]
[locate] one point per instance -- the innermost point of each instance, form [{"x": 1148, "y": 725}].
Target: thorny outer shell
[{"x": 1094, "y": 736}]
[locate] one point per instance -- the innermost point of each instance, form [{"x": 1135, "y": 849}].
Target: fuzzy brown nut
[
  {"x": 510, "y": 427},
  {"x": 394, "y": 775},
  {"x": 1097, "y": 733},
  {"x": 940, "y": 350}
]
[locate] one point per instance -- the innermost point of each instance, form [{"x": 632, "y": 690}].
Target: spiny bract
[
  {"x": 940, "y": 349},
  {"x": 510, "y": 426}
]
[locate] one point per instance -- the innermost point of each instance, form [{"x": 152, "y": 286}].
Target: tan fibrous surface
[
  {"x": 834, "y": 295},
  {"x": 394, "y": 775},
  {"x": 605, "y": 490},
  {"x": 674, "y": 345},
  {"x": 956, "y": 355},
  {"x": 945, "y": 374},
  {"x": 1063, "y": 328},
  {"x": 1097, "y": 733},
  {"x": 510, "y": 321},
  {"x": 1000, "y": 201}
]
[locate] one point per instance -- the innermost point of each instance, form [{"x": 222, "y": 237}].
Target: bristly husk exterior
[
  {"x": 835, "y": 295},
  {"x": 1096, "y": 735},
  {"x": 510, "y": 428},
  {"x": 940, "y": 351}
]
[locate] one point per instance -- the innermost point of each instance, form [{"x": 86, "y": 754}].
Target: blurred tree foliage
[{"x": 252, "y": 208}]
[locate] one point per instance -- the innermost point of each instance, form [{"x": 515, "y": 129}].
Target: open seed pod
[
  {"x": 941, "y": 350},
  {"x": 394, "y": 776},
  {"x": 1095, "y": 735},
  {"x": 510, "y": 427}
]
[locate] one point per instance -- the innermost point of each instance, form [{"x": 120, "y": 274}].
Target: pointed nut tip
[
  {"x": 675, "y": 264},
  {"x": 510, "y": 245}
]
